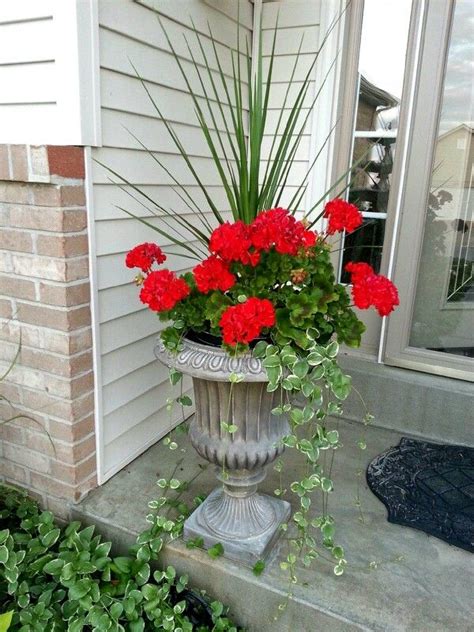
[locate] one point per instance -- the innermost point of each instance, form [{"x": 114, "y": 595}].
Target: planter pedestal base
[{"x": 244, "y": 522}]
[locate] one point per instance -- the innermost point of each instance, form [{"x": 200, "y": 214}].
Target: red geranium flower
[
  {"x": 277, "y": 227},
  {"x": 144, "y": 256},
  {"x": 213, "y": 274},
  {"x": 370, "y": 289},
  {"x": 244, "y": 322},
  {"x": 342, "y": 216},
  {"x": 232, "y": 243},
  {"x": 359, "y": 270},
  {"x": 162, "y": 290}
]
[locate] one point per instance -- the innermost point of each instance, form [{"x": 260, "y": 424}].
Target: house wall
[
  {"x": 44, "y": 311},
  {"x": 48, "y": 88},
  {"x": 298, "y": 24},
  {"x": 133, "y": 387}
]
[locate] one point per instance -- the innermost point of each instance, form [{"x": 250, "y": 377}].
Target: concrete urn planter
[{"x": 235, "y": 514}]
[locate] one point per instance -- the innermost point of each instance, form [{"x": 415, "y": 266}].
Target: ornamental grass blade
[
  {"x": 204, "y": 128},
  {"x": 172, "y": 215},
  {"x": 198, "y": 234},
  {"x": 181, "y": 150},
  {"x": 200, "y": 213},
  {"x": 196, "y": 255}
]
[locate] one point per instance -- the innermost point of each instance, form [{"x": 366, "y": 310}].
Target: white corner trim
[
  {"x": 77, "y": 72},
  {"x": 95, "y": 323}
]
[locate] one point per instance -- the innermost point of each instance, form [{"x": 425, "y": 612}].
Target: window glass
[
  {"x": 443, "y": 316},
  {"x": 381, "y": 69}
]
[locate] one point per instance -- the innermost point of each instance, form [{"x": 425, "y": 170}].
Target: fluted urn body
[{"x": 234, "y": 514}]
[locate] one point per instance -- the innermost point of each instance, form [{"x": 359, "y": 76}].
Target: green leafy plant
[{"x": 66, "y": 578}]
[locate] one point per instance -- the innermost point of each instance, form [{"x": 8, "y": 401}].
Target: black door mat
[{"x": 428, "y": 486}]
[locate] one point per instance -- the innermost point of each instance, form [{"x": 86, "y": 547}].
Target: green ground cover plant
[{"x": 55, "y": 578}]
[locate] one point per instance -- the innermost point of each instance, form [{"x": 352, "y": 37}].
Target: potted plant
[{"x": 258, "y": 320}]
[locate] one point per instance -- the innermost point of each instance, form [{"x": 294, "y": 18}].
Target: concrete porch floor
[{"x": 420, "y": 583}]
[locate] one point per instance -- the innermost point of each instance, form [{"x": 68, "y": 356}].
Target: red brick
[
  {"x": 74, "y": 220},
  {"x": 47, "y": 485},
  {"x": 64, "y": 295},
  {"x": 50, "y": 219},
  {"x": 39, "y": 267},
  {"x": 62, "y": 245},
  {"x": 16, "y": 240},
  {"x": 14, "y": 473},
  {"x": 39, "y": 161},
  {"x": 10, "y": 392},
  {"x": 12, "y": 432},
  {"x": 77, "y": 268},
  {"x": 38, "y": 359},
  {"x": 72, "y": 432},
  {"x": 66, "y": 161},
  {"x": 15, "y": 193},
  {"x": 57, "y": 195},
  {"x": 81, "y": 340},
  {"x": 17, "y": 288},
  {"x": 28, "y": 458},
  {"x": 58, "y": 365},
  {"x": 82, "y": 385},
  {"x": 41, "y": 316},
  {"x": 4, "y": 163},
  {"x": 84, "y": 448},
  {"x": 73, "y": 196},
  {"x": 19, "y": 162},
  {"x": 85, "y": 486},
  {"x": 5, "y": 309},
  {"x": 47, "y": 404},
  {"x": 73, "y": 474}
]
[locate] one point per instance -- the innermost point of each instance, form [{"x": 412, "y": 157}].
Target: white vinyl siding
[
  {"x": 47, "y": 75},
  {"x": 296, "y": 19},
  {"x": 133, "y": 386},
  {"x": 27, "y": 67}
]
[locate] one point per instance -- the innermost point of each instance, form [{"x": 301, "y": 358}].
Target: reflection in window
[
  {"x": 443, "y": 316},
  {"x": 381, "y": 67}
]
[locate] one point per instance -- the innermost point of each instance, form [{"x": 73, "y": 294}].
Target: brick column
[{"x": 44, "y": 297}]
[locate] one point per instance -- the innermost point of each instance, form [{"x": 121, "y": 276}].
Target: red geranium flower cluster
[
  {"x": 244, "y": 322},
  {"x": 162, "y": 290},
  {"x": 273, "y": 228},
  {"x": 232, "y": 242},
  {"x": 342, "y": 216},
  {"x": 144, "y": 256},
  {"x": 213, "y": 274},
  {"x": 277, "y": 227},
  {"x": 370, "y": 289}
]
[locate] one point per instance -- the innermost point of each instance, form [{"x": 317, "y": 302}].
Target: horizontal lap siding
[
  {"x": 297, "y": 19},
  {"x": 134, "y": 386},
  {"x": 28, "y": 91}
]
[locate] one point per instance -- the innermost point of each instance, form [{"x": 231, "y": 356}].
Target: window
[
  {"x": 443, "y": 315},
  {"x": 379, "y": 88}
]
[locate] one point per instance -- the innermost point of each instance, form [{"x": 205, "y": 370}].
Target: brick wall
[{"x": 44, "y": 297}]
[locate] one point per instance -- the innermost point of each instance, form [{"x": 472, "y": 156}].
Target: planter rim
[{"x": 210, "y": 363}]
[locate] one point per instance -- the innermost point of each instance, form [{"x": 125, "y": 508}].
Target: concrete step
[
  {"x": 423, "y": 405},
  {"x": 398, "y": 579}
]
